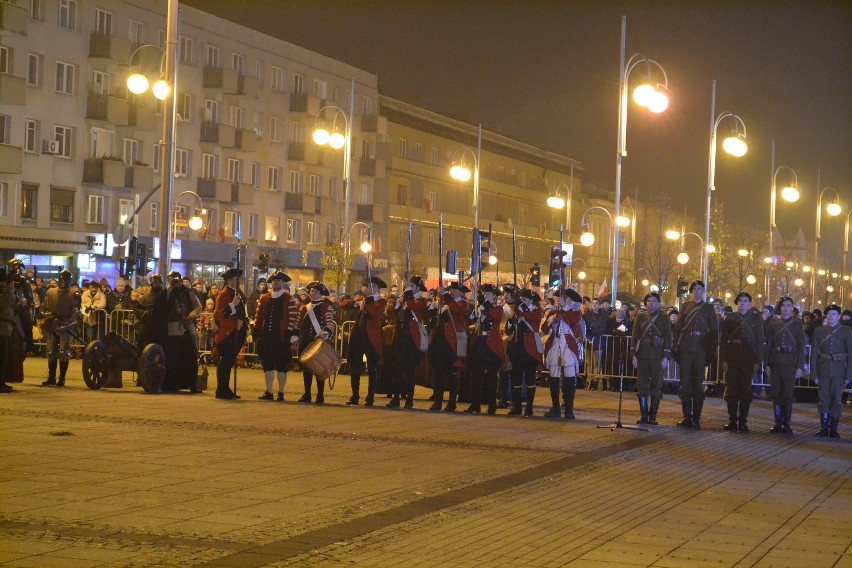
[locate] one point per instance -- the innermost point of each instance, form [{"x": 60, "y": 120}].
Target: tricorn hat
[
  {"x": 491, "y": 288},
  {"x": 458, "y": 286},
  {"x": 510, "y": 289},
  {"x": 319, "y": 286},
  {"x": 231, "y": 273},
  {"x": 277, "y": 276},
  {"x": 531, "y": 294},
  {"x": 262, "y": 280},
  {"x": 377, "y": 281},
  {"x": 417, "y": 281},
  {"x": 174, "y": 275},
  {"x": 572, "y": 295}
]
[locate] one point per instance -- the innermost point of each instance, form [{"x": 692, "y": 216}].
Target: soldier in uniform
[
  {"x": 366, "y": 340},
  {"x": 153, "y": 326},
  {"x": 486, "y": 354},
  {"x": 21, "y": 340},
  {"x": 275, "y": 326},
  {"x": 316, "y": 319},
  {"x": 785, "y": 362},
  {"x": 525, "y": 350},
  {"x": 58, "y": 312},
  {"x": 179, "y": 307},
  {"x": 448, "y": 345},
  {"x": 741, "y": 352},
  {"x": 7, "y": 313},
  {"x": 831, "y": 368},
  {"x": 411, "y": 341},
  {"x": 651, "y": 350},
  {"x": 562, "y": 352},
  {"x": 696, "y": 337},
  {"x": 230, "y": 316}
]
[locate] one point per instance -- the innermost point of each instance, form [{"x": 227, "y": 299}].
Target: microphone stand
[{"x": 617, "y": 425}]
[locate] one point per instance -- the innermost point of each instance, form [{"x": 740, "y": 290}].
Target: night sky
[{"x": 547, "y": 73}]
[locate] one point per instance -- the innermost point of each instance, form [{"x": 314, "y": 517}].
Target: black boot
[
  {"x": 652, "y": 411},
  {"x": 779, "y": 420},
  {"x": 686, "y": 405},
  {"x": 372, "y": 379},
  {"x": 530, "y": 400},
  {"x": 745, "y": 405},
  {"x": 437, "y": 397},
  {"x": 731, "y": 426},
  {"x": 355, "y": 381},
  {"x": 454, "y": 391},
  {"x": 409, "y": 392},
  {"x": 832, "y": 427},
  {"x": 823, "y": 425},
  {"x": 555, "y": 410},
  {"x": 516, "y": 401},
  {"x": 697, "y": 406},
  {"x": 63, "y": 370},
  {"x": 307, "y": 396},
  {"x": 569, "y": 390},
  {"x": 787, "y": 419},
  {"x": 51, "y": 374},
  {"x": 643, "y": 410},
  {"x": 320, "y": 393}
]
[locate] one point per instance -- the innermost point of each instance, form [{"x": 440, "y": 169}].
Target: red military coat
[
  {"x": 572, "y": 318},
  {"x": 369, "y": 319},
  {"x": 419, "y": 307},
  {"x": 532, "y": 317},
  {"x": 225, "y": 316},
  {"x": 494, "y": 341},
  {"x": 455, "y": 323},
  {"x": 289, "y": 318}
]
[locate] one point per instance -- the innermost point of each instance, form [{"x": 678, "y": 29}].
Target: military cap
[
  {"x": 458, "y": 286},
  {"x": 231, "y": 273},
  {"x": 277, "y": 276},
  {"x": 491, "y": 288}
]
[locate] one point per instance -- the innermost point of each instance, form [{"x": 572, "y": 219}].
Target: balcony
[
  {"x": 143, "y": 117},
  {"x": 11, "y": 159},
  {"x": 224, "y": 135},
  {"x": 13, "y": 18},
  {"x": 227, "y": 80},
  {"x": 109, "y": 108},
  {"x": 370, "y": 167},
  {"x": 370, "y": 213},
  {"x": 246, "y": 140},
  {"x": 242, "y": 193},
  {"x": 109, "y": 46},
  {"x": 300, "y": 202},
  {"x": 142, "y": 178},
  {"x": 248, "y": 86},
  {"x": 296, "y": 151},
  {"x": 326, "y": 206},
  {"x": 302, "y": 102},
  {"x": 218, "y": 189},
  {"x": 13, "y": 90},
  {"x": 105, "y": 171}
]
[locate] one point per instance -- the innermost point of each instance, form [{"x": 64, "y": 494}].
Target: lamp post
[
  {"x": 683, "y": 257},
  {"x": 337, "y": 140},
  {"x": 587, "y": 238},
  {"x": 461, "y": 171},
  {"x": 581, "y": 275},
  {"x": 789, "y": 193},
  {"x": 194, "y": 222},
  {"x": 556, "y": 201},
  {"x": 734, "y": 145},
  {"x": 832, "y": 209},
  {"x": 654, "y": 99},
  {"x": 167, "y": 92},
  {"x": 844, "y": 276},
  {"x": 366, "y": 245}
]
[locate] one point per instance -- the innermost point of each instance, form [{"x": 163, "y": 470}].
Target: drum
[{"x": 321, "y": 359}]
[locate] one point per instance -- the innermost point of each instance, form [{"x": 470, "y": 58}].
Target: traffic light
[
  {"x": 535, "y": 275},
  {"x": 452, "y": 261},
  {"x": 556, "y": 255},
  {"x": 263, "y": 263},
  {"x": 128, "y": 264},
  {"x": 484, "y": 248},
  {"x": 141, "y": 258},
  {"x": 682, "y": 287}
]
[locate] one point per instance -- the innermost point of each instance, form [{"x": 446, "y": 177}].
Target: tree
[
  {"x": 658, "y": 254},
  {"x": 336, "y": 263}
]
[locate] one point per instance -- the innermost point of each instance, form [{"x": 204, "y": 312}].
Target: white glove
[
  {"x": 324, "y": 334},
  {"x": 294, "y": 339}
]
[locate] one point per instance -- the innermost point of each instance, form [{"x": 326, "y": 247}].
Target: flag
[
  {"x": 221, "y": 233},
  {"x": 427, "y": 205},
  {"x": 603, "y": 289}
]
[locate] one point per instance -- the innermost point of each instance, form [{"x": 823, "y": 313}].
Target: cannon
[{"x": 104, "y": 360}]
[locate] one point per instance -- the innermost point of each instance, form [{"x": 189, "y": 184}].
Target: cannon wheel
[
  {"x": 95, "y": 362},
  {"x": 152, "y": 368}
]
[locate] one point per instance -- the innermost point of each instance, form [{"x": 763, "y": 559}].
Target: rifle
[
  {"x": 408, "y": 254},
  {"x": 514, "y": 257},
  {"x": 236, "y": 355},
  {"x": 440, "y": 250}
]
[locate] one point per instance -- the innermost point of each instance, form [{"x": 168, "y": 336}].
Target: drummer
[{"x": 316, "y": 319}]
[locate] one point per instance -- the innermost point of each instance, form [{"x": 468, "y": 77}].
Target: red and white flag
[
  {"x": 221, "y": 233},
  {"x": 603, "y": 289}
]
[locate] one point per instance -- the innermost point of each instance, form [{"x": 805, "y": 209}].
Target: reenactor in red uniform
[
  {"x": 487, "y": 354},
  {"x": 651, "y": 346},
  {"x": 232, "y": 327},
  {"x": 696, "y": 338},
  {"x": 831, "y": 368},
  {"x": 525, "y": 350},
  {"x": 316, "y": 319},
  {"x": 448, "y": 345},
  {"x": 562, "y": 352},
  {"x": 275, "y": 325},
  {"x": 411, "y": 340},
  {"x": 366, "y": 340},
  {"x": 741, "y": 352},
  {"x": 785, "y": 362}
]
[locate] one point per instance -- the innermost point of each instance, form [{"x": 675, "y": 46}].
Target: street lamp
[
  {"x": 790, "y": 194},
  {"x": 683, "y": 257},
  {"x": 460, "y": 170},
  {"x": 195, "y": 222},
  {"x": 556, "y": 201},
  {"x": 587, "y": 238},
  {"x": 654, "y": 98},
  {"x": 843, "y": 273},
  {"x": 832, "y": 209},
  {"x": 735, "y": 145},
  {"x": 336, "y": 140}
]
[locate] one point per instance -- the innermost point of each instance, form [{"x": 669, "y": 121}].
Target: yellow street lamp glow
[
  {"x": 727, "y": 295},
  {"x": 643, "y": 94},
  {"x": 460, "y": 173},
  {"x": 492, "y": 260},
  {"x": 366, "y": 247},
  {"x": 751, "y": 279},
  {"x": 622, "y": 221},
  {"x": 735, "y": 146},
  {"x": 556, "y": 202},
  {"x": 711, "y": 249},
  {"x": 743, "y": 252},
  {"x": 846, "y": 277},
  {"x": 829, "y": 289},
  {"x": 821, "y": 272},
  {"x": 834, "y": 275},
  {"x": 672, "y": 235},
  {"x": 789, "y": 264},
  {"x": 806, "y": 268},
  {"x": 195, "y": 223},
  {"x": 161, "y": 89},
  {"x": 321, "y": 136},
  {"x": 659, "y": 102},
  {"x": 137, "y": 83},
  {"x": 581, "y": 275},
  {"x": 767, "y": 260},
  {"x": 798, "y": 282},
  {"x": 654, "y": 288},
  {"x": 587, "y": 239},
  {"x": 682, "y": 258},
  {"x": 833, "y": 209},
  {"x": 790, "y": 194},
  {"x": 337, "y": 140},
  {"x": 645, "y": 282}
]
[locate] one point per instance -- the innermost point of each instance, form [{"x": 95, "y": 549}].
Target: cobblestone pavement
[{"x": 119, "y": 478}]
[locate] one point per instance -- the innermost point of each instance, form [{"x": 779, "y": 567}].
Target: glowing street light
[
  {"x": 751, "y": 279},
  {"x": 743, "y": 253},
  {"x": 789, "y": 194},
  {"x": 682, "y": 258},
  {"x": 832, "y": 209},
  {"x": 672, "y": 235}
]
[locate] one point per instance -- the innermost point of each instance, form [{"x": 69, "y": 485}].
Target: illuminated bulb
[
  {"x": 735, "y": 146},
  {"x": 659, "y": 102},
  {"x": 643, "y": 94},
  {"x": 682, "y": 258},
  {"x": 161, "y": 90},
  {"x": 790, "y": 194},
  {"x": 834, "y": 275},
  {"x": 829, "y": 289},
  {"x": 337, "y": 140},
  {"x": 806, "y": 268},
  {"x": 492, "y": 260},
  {"x": 587, "y": 239},
  {"x": 366, "y": 247},
  {"x": 622, "y": 221},
  {"x": 654, "y": 288},
  {"x": 672, "y": 235},
  {"x": 581, "y": 275},
  {"x": 821, "y": 272},
  {"x": 137, "y": 83},
  {"x": 798, "y": 282},
  {"x": 789, "y": 264},
  {"x": 742, "y": 252},
  {"x": 711, "y": 249},
  {"x": 833, "y": 209},
  {"x": 460, "y": 173},
  {"x": 321, "y": 136},
  {"x": 767, "y": 260},
  {"x": 556, "y": 202},
  {"x": 751, "y": 279},
  {"x": 195, "y": 222},
  {"x": 645, "y": 282},
  {"x": 727, "y": 295}
]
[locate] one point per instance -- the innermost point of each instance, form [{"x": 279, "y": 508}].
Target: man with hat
[
  {"x": 507, "y": 331},
  {"x": 696, "y": 336},
  {"x": 316, "y": 319},
  {"x": 365, "y": 339},
  {"x": 562, "y": 352},
  {"x": 785, "y": 362},
  {"x": 651, "y": 350},
  {"x": 92, "y": 308},
  {"x": 525, "y": 350},
  {"x": 254, "y": 298},
  {"x": 179, "y": 307},
  {"x": 58, "y": 312},
  {"x": 230, "y": 316},
  {"x": 448, "y": 346},
  {"x": 411, "y": 340},
  {"x": 275, "y": 333},
  {"x": 741, "y": 352},
  {"x": 487, "y": 353},
  {"x": 831, "y": 368}
]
